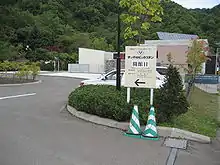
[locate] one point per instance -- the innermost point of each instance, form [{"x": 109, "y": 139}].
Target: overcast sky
[{"x": 197, "y": 3}]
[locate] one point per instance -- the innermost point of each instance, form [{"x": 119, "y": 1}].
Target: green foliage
[
  {"x": 21, "y": 73},
  {"x": 63, "y": 26},
  {"x": 171, "y": 100},
  {"x": 201, "y": 117},
  {"x": 9, "y": 52},
  {"x": 11, "y": 66},
  {"x": 107, "y": 102},
  {"x": 24, "y": 70},
  {"x": 138, "y": 16},
  {"x": 101, "y": 44},
  {"x": 195, "y": 58},
  {"x": 34, "y": 69}
]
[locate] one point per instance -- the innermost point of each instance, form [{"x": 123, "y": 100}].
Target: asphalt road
[{"x": 36, "y": 130}]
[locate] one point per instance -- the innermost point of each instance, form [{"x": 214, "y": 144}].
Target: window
[
  {"x": 113, "y": 76},
  {"x": 162, "y": 71}
]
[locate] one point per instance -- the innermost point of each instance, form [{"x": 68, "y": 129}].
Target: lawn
[{"x": 203, "y": 115}]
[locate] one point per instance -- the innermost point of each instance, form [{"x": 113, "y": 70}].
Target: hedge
[{"x": 105, "y": 101}]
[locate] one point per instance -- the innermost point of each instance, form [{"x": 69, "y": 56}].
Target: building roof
[
  {"x": 166, "y": 42},
  {"x": 175, "y": 36}
]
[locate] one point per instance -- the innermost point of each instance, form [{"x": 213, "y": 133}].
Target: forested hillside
[{"x": 58, "y": 27}]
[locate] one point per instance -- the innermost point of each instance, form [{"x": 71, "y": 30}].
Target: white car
[{"x": 110, "y": 78}]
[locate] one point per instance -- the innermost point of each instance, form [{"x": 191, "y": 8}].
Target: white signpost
[{"x": 140, "y": 68}]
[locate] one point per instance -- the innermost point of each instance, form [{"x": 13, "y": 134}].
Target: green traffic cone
[
  {"x": 150, "y": 132},
  {"x": 134, "y": 129}
]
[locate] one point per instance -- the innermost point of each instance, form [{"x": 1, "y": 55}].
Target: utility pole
[{"x": 118, "y": 64}]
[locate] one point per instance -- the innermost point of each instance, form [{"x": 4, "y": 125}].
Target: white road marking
[{"x": 17, "y": 96}]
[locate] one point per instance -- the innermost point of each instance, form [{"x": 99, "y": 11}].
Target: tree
[
  {"x": 196, "y": 56},
  {"x": 138, "y": 16},
  {"x": 69, "y": 24},
  {"x": 171, "y": 100},
  {"x": 101, "y": 44},
  {"x": 10, "y": 52}
]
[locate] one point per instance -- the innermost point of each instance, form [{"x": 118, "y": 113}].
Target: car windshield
[
  {"x": 162, "y": 71},
  {"x": 112, "y": 76}
]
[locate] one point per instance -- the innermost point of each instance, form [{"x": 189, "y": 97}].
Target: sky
[{"x": 197, "y": 3}]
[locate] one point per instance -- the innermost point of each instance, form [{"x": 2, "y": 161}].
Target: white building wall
[
  {"x": 108, "y": 56},
  {"x": 95, "y": 59}
]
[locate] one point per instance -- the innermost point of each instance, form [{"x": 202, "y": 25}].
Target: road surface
[{"x": 36, "y": 130}]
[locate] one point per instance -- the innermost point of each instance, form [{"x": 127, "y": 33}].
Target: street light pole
[{"x": 118, "y": 64}]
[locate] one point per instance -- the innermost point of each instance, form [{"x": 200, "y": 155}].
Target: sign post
[
  {"x": 140, "y": 68},
  {"x": 140, "y": 72},
  {"x": 128, "y": 95}
]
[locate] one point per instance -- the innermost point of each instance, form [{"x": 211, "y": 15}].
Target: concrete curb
[
  {"x": 163, "y": 131},
  {"x": 78, "y": 78},
  {"x": 11, "y": 85}
]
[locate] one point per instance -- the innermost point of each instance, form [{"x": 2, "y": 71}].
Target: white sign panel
[{"x": 140, "y": 66}]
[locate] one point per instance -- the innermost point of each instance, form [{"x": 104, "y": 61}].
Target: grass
[{"x": 202, "y": 116}]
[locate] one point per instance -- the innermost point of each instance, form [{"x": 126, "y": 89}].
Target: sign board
[
  {"x": 205, "y": 79},
  {"x": 140, "y": 66},
  {"x": 122, "y": 55}
]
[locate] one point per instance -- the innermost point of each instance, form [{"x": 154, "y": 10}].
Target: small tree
[
  {"x": 196, "y": 56},
  {"x": 138, "y": 15},
  {"x": 171, "y": 100}
]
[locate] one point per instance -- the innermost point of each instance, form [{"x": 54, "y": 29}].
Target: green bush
[
  {"x": 20, "y": 74},
  {"x": 47, "y": 67},
  {"x": 24, "y": 70},
  {"x": 171, "y": 98},
  {"x": 105, "y": 101},
  {"x": 35, "y": 70}
]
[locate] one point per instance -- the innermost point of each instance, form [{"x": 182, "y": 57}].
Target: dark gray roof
[{"x": 175, "y": 36}]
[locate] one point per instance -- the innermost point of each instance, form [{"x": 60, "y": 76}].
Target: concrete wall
[
  {"x": 95, "y": 59},
  {"x": 108, "y": 56},
  {"x": 111, "y": 65}
]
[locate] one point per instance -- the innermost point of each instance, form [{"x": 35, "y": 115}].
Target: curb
[
  {"x": 78, "y": 78},
  {"x": 162, "y": 131},
  {"x": 11, "y": 85}
]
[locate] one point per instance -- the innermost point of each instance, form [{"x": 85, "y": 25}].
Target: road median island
[
  {"x": 163, "y": 131},
  {"x": 19, "y": 83},
  {"x": 106, "y": 106}
]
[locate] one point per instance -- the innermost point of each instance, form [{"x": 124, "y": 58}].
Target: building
[
  {"x": 177, "y": 45},
  {"x": 95, "y": 59}
]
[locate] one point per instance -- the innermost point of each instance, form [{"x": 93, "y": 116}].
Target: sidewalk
[{"x": 73, "y": 75}]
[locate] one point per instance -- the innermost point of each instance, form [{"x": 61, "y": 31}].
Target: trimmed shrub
[
  {"x": 35, "y": 70},
  {"x": 105, "y": 101},
  {"x": 24, "y": 70}
]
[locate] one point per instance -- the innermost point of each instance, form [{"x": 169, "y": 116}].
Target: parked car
[{"x": 110, "y": 78}]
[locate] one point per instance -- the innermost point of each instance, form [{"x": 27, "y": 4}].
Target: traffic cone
[
  {"x": 134, "y": 129},
  {"x": 150, "y": 132}
]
